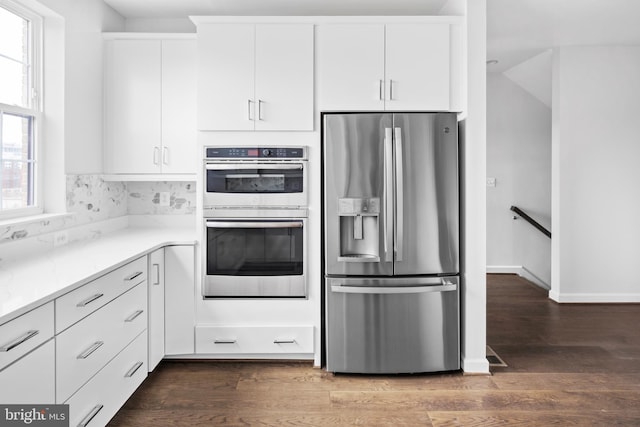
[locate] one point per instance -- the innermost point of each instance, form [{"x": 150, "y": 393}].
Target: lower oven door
[{"x": 254, "y": 258}]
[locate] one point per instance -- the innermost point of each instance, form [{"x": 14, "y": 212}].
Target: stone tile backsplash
[
  {"x": 90, "y": 199},
  {"x": 146, "y": 198}
]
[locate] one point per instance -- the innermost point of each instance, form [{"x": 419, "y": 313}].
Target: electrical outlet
[
  {"x": 61, "y": 238},
  {"x": 491, "y": 182},
  {"x": 165, "y": 198}
]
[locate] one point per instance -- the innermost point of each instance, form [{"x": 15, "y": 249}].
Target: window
[{"x": 19, "y": 110}]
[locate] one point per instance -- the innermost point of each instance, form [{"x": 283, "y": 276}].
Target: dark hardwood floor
[{"x": 568, "y": 365}]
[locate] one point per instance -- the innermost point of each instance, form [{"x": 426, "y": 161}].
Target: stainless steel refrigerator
[{"x": 391, "y": 249}]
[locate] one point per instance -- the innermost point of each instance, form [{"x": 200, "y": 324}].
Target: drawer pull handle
[
  {"x": 157, "y": 274},
  {"x": 290, "y": 341},
  {"x": 132, "y": 276},
  {"x": 13, "y": 344},
  {"x": 133, "y": 316},
  {"x": 89, "y": 300},
  {"x": 133, "y": 370},
  {"x": 91, "y": 415},
  {"x": 96, "y": 345},
  {"x": 224, "y": 341}
]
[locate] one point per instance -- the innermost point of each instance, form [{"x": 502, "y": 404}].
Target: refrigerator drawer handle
[{"x": 392, "y": 290}]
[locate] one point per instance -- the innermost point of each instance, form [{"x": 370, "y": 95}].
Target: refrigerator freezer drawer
[{"x": 392, "y": 329}]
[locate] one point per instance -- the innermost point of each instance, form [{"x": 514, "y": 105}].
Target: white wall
[
  {"x": 595, "y": 194},
  {"x": 473, "y": 195},
  {"x": 519, "y": 157},
  {"x": 84, "y": 21}
]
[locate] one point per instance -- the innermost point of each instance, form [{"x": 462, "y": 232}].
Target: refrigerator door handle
[
  {"x": 388, "y": 193},
  {"x": 399, "y": 231},
  {"x": 393, "y": 289}
]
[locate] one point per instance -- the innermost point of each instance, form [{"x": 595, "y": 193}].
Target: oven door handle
[
  {"x": 254, "y": 166},
  {"x": 254, "y": 224}
]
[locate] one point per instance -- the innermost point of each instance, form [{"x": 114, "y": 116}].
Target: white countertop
[{"x": 31, "y": 282}]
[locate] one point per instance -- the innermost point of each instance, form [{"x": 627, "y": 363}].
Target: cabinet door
[
  {"x": 156, "y": 308},
  {"x": 132, "y": 106},
  {"x": 179, "y": 131},
  {"x": 284, "y": 77},
  {"x": 226, "y": 77},
  {"x": 179, "y": 300},
  {"x": 31, "y": 379},
  {"x": 351, "y": 67},
  {"x": 417, "y": 67}
]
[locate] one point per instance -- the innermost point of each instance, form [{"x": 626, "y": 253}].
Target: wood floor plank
[
  {"x": 476, "y": 400},
  {"x": 180, "y": 418},
  {"x": 567, "y": 381},
  {"x": 584, "y": 418}
]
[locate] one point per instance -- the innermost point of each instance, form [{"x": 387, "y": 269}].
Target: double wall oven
[{"x": 255, "y": 213}]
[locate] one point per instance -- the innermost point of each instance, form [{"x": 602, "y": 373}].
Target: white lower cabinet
[
  {"x": 31, "y": 379},
  {"x": 155, "y": 329},
  {"x": 179, "y": 299},
  {"x": 99, "y": 400},
  {"x": 254, "y": 339},
  {"x": 86, "y": 347}
]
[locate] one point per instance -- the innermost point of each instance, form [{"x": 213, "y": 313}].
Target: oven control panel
[{"x": 262, "y": 153}]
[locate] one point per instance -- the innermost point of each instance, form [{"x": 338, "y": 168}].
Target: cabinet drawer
[
  {"x": 24, "y": 333},
  {"x": 31, "y": 379},
  {"x": 254, "y": 339},
  {"x": 85, "y": 300},
  {"x": 88, "y": 345},
  {"x": 99, "y": 400}
]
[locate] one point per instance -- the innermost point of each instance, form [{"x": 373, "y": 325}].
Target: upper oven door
[{"x": 255, "y": 184}]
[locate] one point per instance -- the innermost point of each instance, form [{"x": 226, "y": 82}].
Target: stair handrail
[{"x": 531, "y": 221}]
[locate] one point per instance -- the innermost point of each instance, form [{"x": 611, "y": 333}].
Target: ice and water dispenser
[{"x": 359, "y": 230}]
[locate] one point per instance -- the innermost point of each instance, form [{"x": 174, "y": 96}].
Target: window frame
[{"x": 35, "y": 111}]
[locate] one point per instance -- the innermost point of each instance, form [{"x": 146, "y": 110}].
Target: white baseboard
[
  {"x": 594, "y": 298},
  {"x": 475, "y": 366},
  {"x": 521, "y": 271}
]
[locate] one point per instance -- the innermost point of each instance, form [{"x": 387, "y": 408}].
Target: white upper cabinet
[
  {"x": 417, "y": 66},
  {"x": 351, "y": 66},
  {"x": 150, "y": 101},
  {"x": 225, "y": 76},
  {"x": 132, "y": 125},
  {"x": 398, "y": 67},
  {"x": 179, "y": 127},
  {"x": 255, "y": 76}
]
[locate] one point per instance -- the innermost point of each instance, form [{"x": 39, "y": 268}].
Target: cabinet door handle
[
  {"x": 96, "y": 345},
  {"x": 89, "y": 300},
  {"x": 390, "y": 90},
  {"x": 381, "y": 90},
  {"x": 20, "y": 340},
  {"x": 91, "y": 415},
  {"x": 131, "y": 372},
  {"x": 132, "y": 276},
  {"x": 165, "y": 156},
  {"x": 133, "y": 316},
  {"x": 260, "y": 102},
  {"x": 156, "y": 155},
  {"x": 284, "y": 341},
  {"x": 249, "y": 112},
  {"x": 224, "y": 341},
  {"x": 157, "y": 274}
]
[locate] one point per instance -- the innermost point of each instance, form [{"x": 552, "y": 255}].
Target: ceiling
[
  {"x": 517, "y": 30},
  {"x": 521, "y": 29},
  {"x": 183, "y": 8}
]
